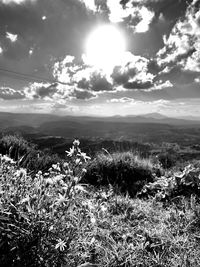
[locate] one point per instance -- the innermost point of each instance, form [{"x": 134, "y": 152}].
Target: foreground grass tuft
[{"x": 125, "y": 171}]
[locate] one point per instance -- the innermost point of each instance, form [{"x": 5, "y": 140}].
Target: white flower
[
  {"x": 49, "y": 181},
  {"x": 60, "y": 245},
  {"x": 103, "y": 208},
  {"x": 21, "y": 173},
  {"x": 78, "y": 161},
  {"x": 84, "y": 156},
  {"x": 58, "y": 178},
  {"x": 71, "y": 152},
  {"x": 7, "y": 159},
  {"x": 76, "y": 142},
  {"x": 84, "y": 170},
  {"x": 24, "y": 200},
  {"x": 56, "y": 166},
  {"x": 61, "y": 199},
  {"x": 93, "y": 220}
]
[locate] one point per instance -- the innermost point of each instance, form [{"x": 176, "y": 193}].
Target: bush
[
  {"x": 36, "y": 212},
  {"x": 183, "y": 183},
  {"x": 167, "y": 160},
  {"x": 14, "y": 146},
  {"x": 125, "y": 171},
  {"x": 26, "y": 154}
]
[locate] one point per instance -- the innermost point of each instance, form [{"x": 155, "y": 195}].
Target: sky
[{"x": 100, "y": 57}]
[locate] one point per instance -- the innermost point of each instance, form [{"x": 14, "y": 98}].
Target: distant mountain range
[
  {"x": 37, "y": 120},
  {"x": 153, "y": 127}
]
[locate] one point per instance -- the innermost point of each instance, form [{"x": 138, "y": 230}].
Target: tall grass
[{"x": 126, "y": 171}]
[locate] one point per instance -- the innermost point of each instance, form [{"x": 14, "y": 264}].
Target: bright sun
[{"x": 105, "y": 47}]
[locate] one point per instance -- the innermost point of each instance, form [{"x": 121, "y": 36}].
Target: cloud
[
  {"x": 121, "y": 100},
  {"x": 1, "y": 50},
  {"x": 177, "y": 75},
  {"x": 56, "y": 92},
  {"x": 133, "y": 74},
  {"x": 82, "y": 94},
  {"x": 146, "y": 18},
  {"x": 138, "y": 85},
  {"x": 12, "y": 37},
  {"x": 7, "y": 93},
  {"x": 66, "y": 25},
  {"x": 99, "y": 83},
  {"x": 80, "y": 76},
  {"x": 182, "y": 46},
  {"x": 86, "y": 82},
  {"x": 41, "y": 90},
  {"x": 136, "y": 17}
]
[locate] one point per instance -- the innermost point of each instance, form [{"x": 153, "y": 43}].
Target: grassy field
[{"x": 134, "y": 215}]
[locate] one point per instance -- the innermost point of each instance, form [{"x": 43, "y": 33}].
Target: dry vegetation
[{"x": 130, "y": 215}]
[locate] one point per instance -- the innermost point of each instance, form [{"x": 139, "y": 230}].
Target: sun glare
[{"x": 105, "y": 47}]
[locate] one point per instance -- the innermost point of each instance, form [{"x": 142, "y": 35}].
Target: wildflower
[
  {"x": 7, "y": 159},
  {"x": 103, "y": 208},
  {"x": 25, "y": 200},
  {"x": 92, "y": 240},
  {"x": 66, "y": 165},
  {"x": 84, "y": 156},
  {"x": 56, "y": 166},
  {"x": 84, "y": 170},
  {"x": 61, "y": 199},
  {"x": 90, "y": 206},
  {"x": 76, "y": 179},
  {"x": 78, "y": 161},
  {"x": 93, "y": 220},
  {"x": 58, "y": 178},
  {"x": 49, "y": 181},
  {"x": 60, "y": 245},
  {"x": 21, "y": 173},
  {"x": 76, "y": 143},
  {"x": 71, "y": 152},
  {"x": 51, "y": 228}
]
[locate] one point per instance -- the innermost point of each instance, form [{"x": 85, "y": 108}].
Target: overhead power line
[{"x": 27, "y": 77}]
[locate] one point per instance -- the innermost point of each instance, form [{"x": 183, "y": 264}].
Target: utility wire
[{"x": 27, "y": 77}]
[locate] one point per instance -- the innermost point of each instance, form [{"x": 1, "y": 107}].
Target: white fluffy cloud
[
  {"x": 12, "y": 37},
  {"x": 131, "y": 74},
  {"x": 183, "y": 44},
  {"x": 138, "y": 18},
  {"x": 7, "y": 93}
]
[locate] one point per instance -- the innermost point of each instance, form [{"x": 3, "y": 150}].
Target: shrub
[
  {"x": 26, "y": 154},
  {"x": 14, "y": 146},
  {"x": 167, "y": 160},
  {"x": 36, "y": 212},
  {"x": 183, "y": 183},
  {"x": 125, "y": 171}
]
